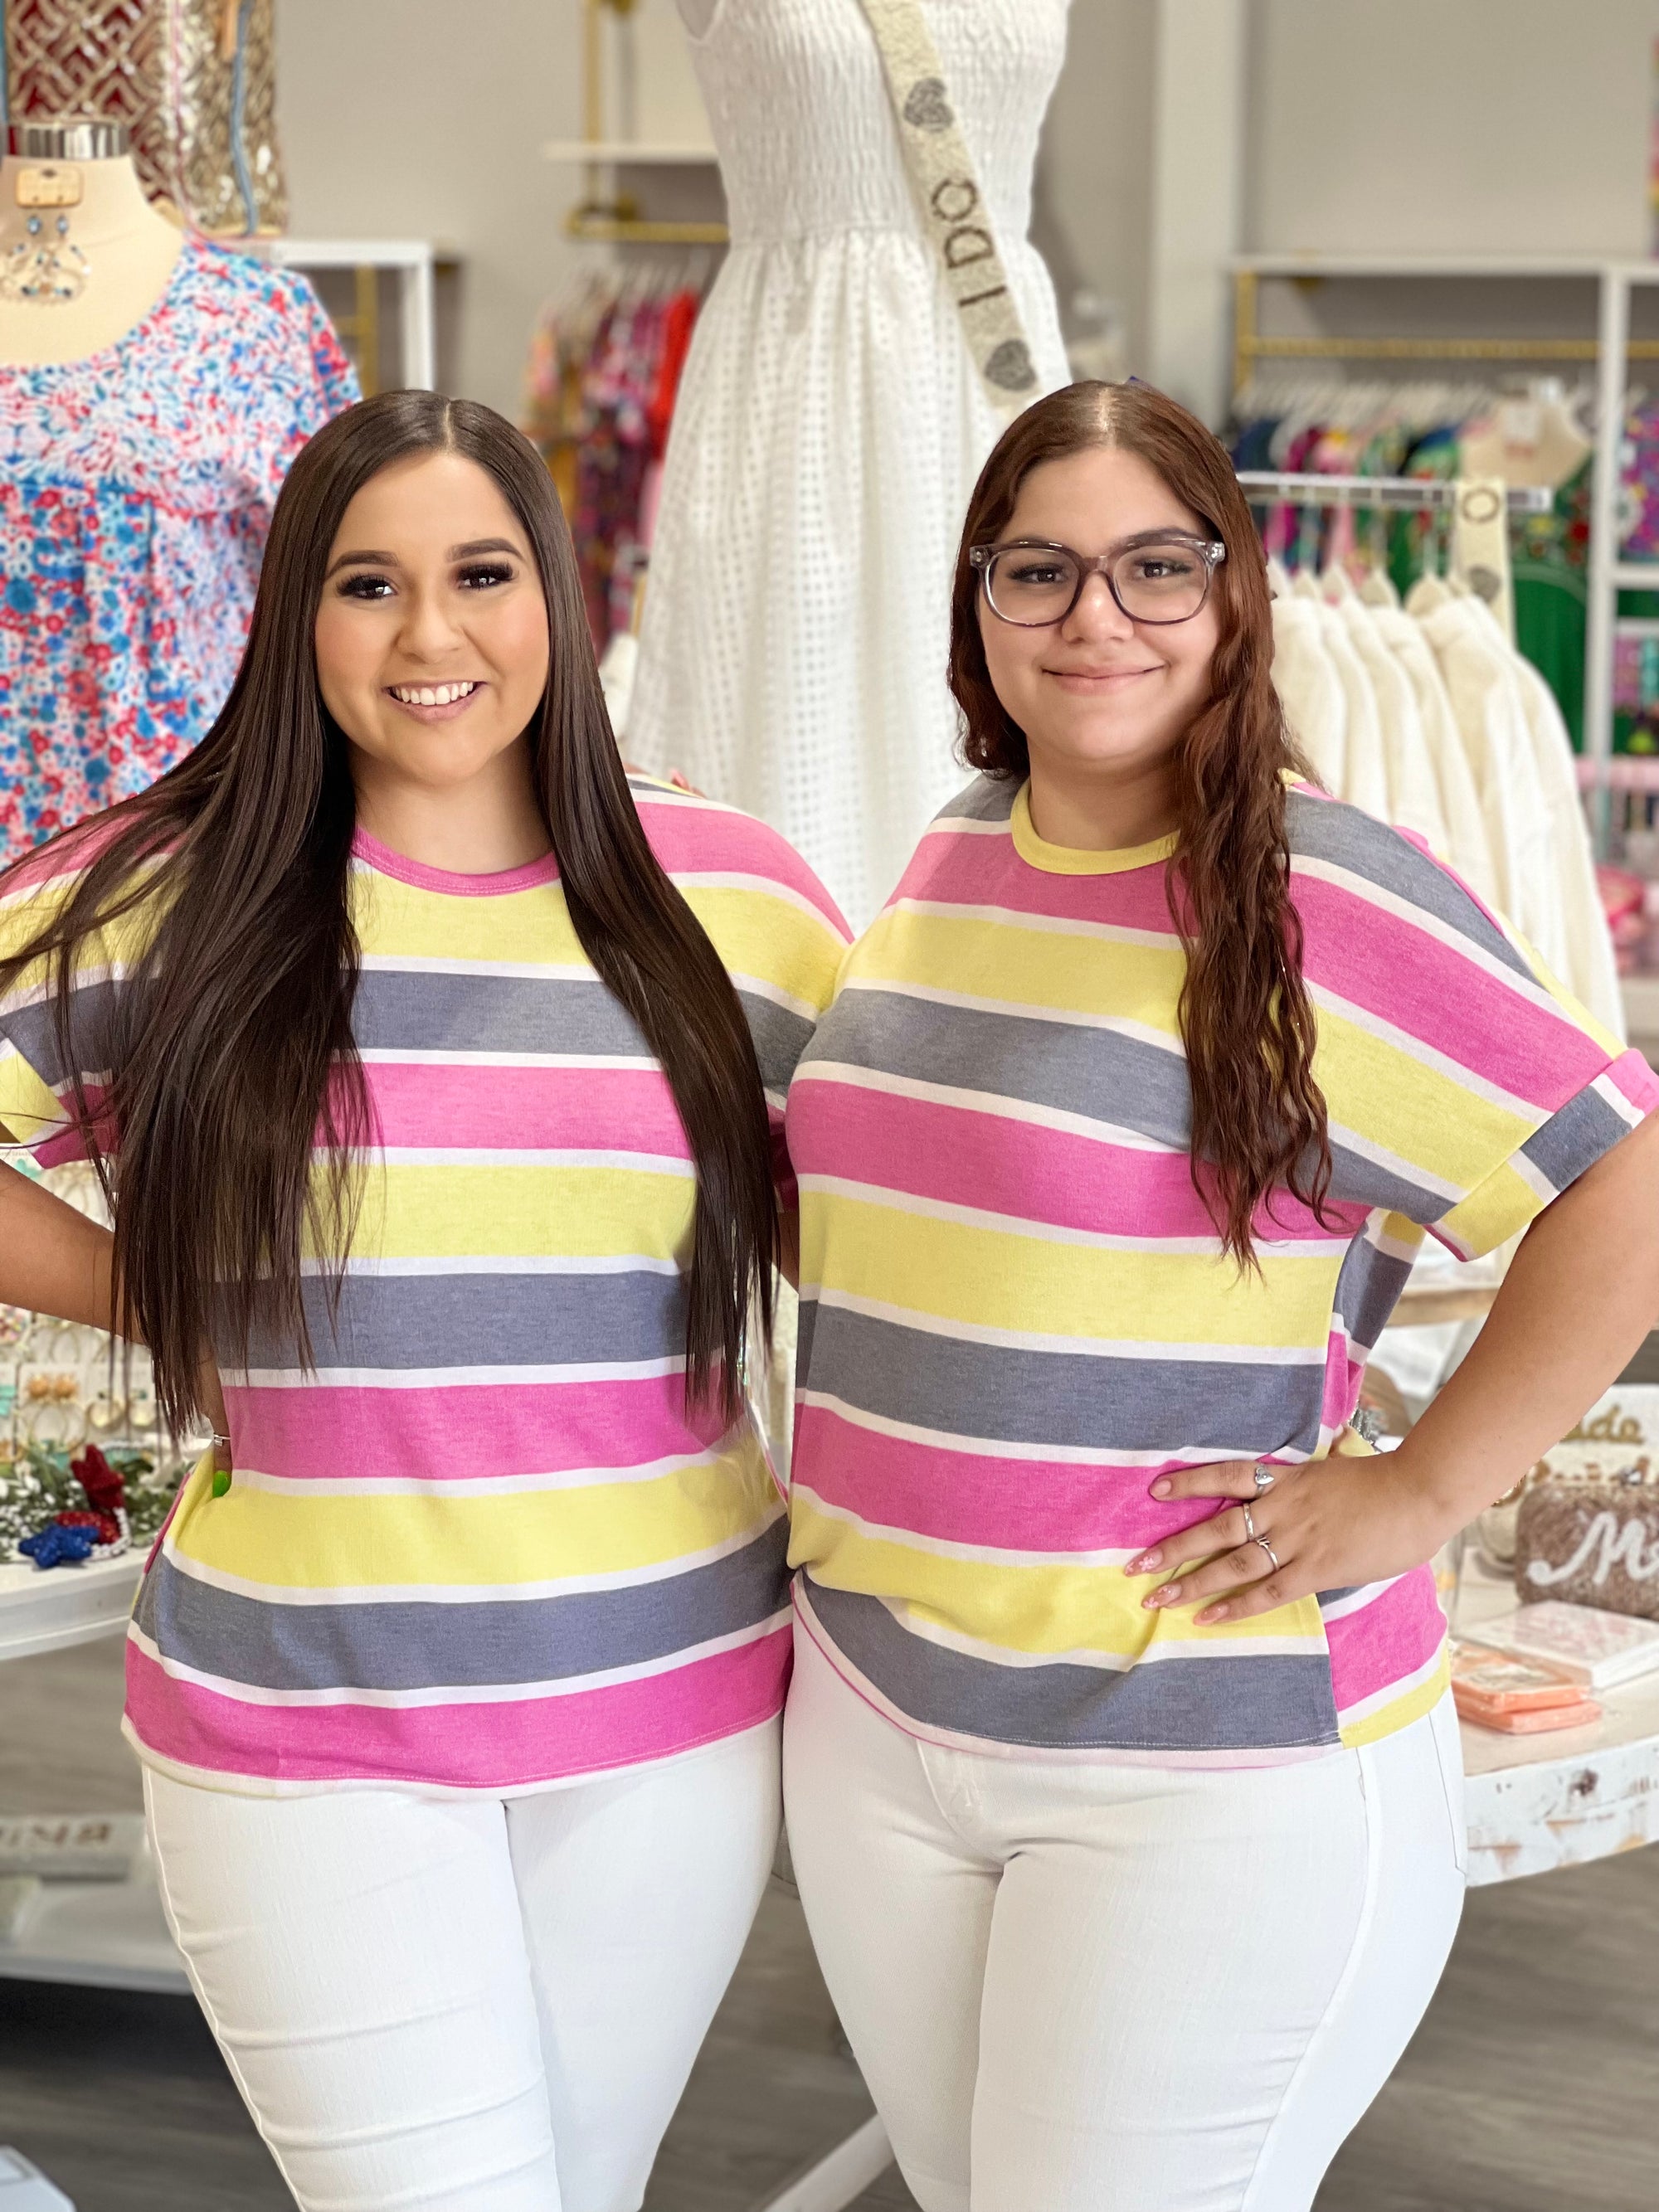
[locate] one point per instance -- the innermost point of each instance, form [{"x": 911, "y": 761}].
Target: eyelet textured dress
[{"x": 828, "y": 429}]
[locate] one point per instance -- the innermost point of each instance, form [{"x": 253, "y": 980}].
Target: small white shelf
[
  {"x": 627, "y": 150},
  {"x": 345, "y": 253},
  {"x": 47, "y": 1609},
  {"x": 1314, "y": 264},
  {"x": 1636, "y": 575}
]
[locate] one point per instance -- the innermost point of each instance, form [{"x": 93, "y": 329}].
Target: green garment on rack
[
  {"x": 1549, "y": 557},
  {"x": 1549, "y": 564}
]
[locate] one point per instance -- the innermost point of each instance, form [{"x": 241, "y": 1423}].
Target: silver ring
[
  {"x": 1249, "y": 1524},
  {"x": 1269, "y": 1550},
  {"x": 1265, "y": 1479},
  {"x": 219, "y": 1439}
]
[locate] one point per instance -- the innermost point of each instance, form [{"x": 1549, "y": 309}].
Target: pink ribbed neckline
[{"x": 388, "y": 863}]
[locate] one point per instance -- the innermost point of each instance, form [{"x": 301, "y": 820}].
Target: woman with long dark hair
[
  {"x": 435, "y": 1077},
  {"x": 1121, "y": 1777}
]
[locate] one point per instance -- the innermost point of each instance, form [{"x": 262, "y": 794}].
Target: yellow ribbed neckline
[{"x": 1067, "y": 860}]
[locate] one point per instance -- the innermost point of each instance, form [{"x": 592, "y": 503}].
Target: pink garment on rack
[{"x": 1278, "y": 531}]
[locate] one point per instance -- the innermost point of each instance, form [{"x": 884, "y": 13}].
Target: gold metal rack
[
  {"x": 1251, "y": 346},
  {"x": 614, "y": 218},
  {"x": 361, "y": 328}
]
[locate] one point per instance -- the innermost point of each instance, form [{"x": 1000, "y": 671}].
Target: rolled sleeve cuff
[{"x": 1552, "y": 1159}]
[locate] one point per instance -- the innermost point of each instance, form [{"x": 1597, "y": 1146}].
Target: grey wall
[
  {"x": 1374, "y": 125},
  {"x": 422, "y": 119},
  {"x": 1450, "y": 125}
]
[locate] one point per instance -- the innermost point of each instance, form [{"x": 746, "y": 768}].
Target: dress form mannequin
[
  {"x": 130, "y": 248},
  {"x": 1529, "y": 442},
  {"x": 829, "y": 426},
  {"x": 154, "y": 389}
]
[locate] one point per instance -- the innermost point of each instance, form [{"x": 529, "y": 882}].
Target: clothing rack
[{"x": 1415, "y": 495}]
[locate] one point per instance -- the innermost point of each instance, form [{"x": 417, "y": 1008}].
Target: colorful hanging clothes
[
  {"x": 136, "y": 492},
  {"x": 599, "y": 392}
]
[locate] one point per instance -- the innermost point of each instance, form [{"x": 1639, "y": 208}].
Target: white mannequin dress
[{"x": 829, "y": 427}]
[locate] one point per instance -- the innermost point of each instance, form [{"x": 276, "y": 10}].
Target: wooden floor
[{"x": 1531, "y": 2087}]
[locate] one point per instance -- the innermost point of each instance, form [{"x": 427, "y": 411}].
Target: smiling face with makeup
[
  {"x": 1103, "y": 700},
  {"x": 433, "y": 649}
]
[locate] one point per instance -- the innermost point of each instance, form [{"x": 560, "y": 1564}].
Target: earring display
[{"x": 45, "y": 266}]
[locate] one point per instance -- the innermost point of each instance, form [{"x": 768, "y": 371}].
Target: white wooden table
[
  {"x": 105, "y": 1934},
  {"x": 1541, "y": 1801},
  {"x": 48, "y": 1611}
]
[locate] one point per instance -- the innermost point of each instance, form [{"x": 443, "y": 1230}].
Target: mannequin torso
[
  {"x": 131, "y": 250},
  {"x": 1529, "y": 442}
]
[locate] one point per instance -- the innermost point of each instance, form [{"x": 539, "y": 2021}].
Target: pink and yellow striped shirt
[
  {"x": 1016, "y": 1313},
  {"x": 484, "y": 1546}
]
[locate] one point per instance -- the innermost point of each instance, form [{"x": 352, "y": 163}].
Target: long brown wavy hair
[
  {"x": 1258, "y": 1116},
  {"x": 230, "y": 1045}
]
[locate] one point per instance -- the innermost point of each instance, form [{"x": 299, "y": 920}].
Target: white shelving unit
[{"x": 1608, "y": 574}]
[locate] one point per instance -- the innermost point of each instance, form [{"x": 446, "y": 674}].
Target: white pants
[
  {"x": 469, "y": 2006},
  {"x": 1118, "y": 1989}
]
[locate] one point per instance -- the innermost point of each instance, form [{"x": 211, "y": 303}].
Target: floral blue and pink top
[{"x": 136, "y": 491}]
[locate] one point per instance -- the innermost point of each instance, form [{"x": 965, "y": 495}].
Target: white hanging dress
[
  {"x": 830, "y": 427},
  {"x": 1309, "y": 689}
]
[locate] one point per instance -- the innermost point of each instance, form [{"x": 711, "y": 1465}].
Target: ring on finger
[
  {"x": 1263, "y": 1544},
  {"x": 1264, "y": 1478},
  {"x": 1249, "y": 1524}
]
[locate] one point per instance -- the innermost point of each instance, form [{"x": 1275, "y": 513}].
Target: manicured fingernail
[
  {"x": 1162, "y": 1487},
  {"x": 1147, "y": 1564},
  {"x": 1210, "y": 1612},
  {"x": 1162, "y": 1596}
]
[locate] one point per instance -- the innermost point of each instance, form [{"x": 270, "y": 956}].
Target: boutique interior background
[{"x": 1183, "y": 132}]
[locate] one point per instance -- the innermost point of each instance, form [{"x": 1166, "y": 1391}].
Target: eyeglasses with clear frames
[{"x": 1162, "y": 577}]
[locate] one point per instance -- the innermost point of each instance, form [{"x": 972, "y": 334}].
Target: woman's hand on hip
[
  {"x": 1330, "y": 1524},
  {"x": 210, "y": 1392}
]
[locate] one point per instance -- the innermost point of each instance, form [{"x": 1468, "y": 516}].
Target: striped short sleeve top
[
  {"x": 1016, "y": 1313},
  {"x": 484, "y": 1545}
]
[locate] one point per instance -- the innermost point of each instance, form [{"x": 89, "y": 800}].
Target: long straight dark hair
[
  {"x": 1259, "y": 1120},
  {"x": 232, "y": 1052}
]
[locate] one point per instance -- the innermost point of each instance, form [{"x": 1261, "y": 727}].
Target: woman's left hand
[{"x": 1331, "y": 1524}]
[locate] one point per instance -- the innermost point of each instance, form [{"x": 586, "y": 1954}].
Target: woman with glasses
[{"x": 1122, "y": 1780}]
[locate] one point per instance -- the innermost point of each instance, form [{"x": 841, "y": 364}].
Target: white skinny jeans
[
  {"x": 1118, "y": 1989},
  {"x": 464, "y": 2005}
]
